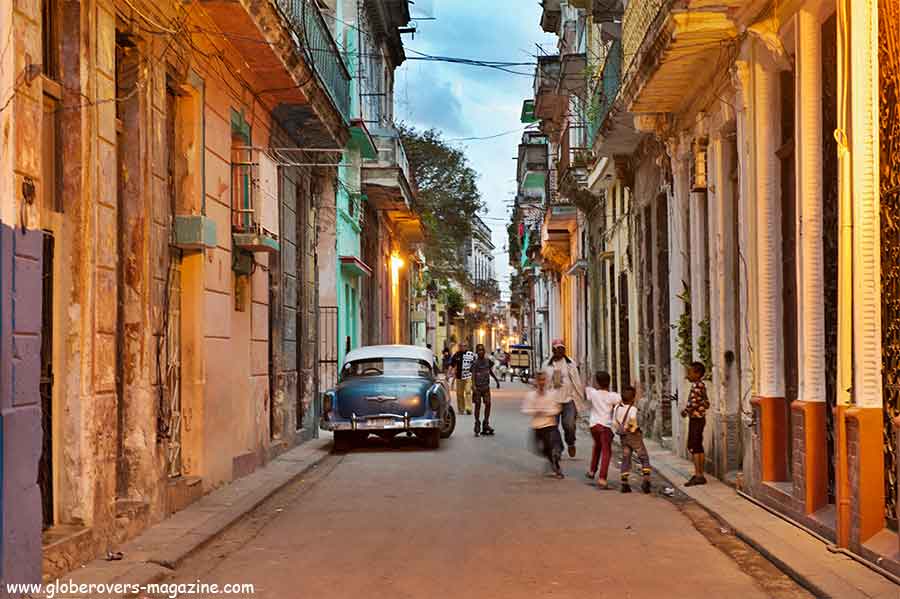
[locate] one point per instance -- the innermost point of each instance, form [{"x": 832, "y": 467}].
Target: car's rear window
[{"x": 386, "y": 367}]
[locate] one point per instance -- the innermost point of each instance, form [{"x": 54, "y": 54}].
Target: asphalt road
[{"x": 478, "y": 518}]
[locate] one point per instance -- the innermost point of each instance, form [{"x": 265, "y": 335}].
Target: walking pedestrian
[
  {"x": 462, "y": 364},
  {"x": 544, "y": 406},
  {"x": 482, "y": 371},
  {"x": 603, "y": 403},
  {"x": 695, "y": 411},
  {"x": 632, "y": 439},
  {"x": 445, "y": 360},
  {"x": 565, "y": 379}
]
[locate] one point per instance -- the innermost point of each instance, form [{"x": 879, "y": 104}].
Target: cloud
[
  {"x": 469, "y": 101},
  {"x": 434, "y": 102}
]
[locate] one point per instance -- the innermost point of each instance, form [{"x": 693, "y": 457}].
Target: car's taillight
[{"x": 327, "y": 403}]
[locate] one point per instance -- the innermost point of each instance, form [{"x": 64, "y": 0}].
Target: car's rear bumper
[{"x": 380, "y": 422}]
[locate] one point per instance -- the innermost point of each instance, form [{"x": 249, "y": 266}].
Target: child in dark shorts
[{"x": 695, "y": 411}]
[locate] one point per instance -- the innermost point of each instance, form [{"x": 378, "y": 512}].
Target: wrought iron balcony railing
[
  {"x": 606, "y": 89},
  {"x": 636, "y": 22},
  {"x": 316, "y": 41},
  {"x": 574, "y": 152}
]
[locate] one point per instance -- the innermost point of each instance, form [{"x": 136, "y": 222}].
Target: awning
[
  {"x": 354, "y": 266},
  {"x": 527, "y": 116}
]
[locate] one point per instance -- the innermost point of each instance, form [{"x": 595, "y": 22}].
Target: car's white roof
[{"x": 413, "y": 352}]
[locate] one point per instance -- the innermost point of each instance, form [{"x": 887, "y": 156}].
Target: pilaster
[
  {"x": 768, "y": 233},
  {"x": 864, "y": 146},
  {"x": 810, "y": 472}
]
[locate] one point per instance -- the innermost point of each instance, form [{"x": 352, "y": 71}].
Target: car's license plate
[{"x": 380, "y": 421}]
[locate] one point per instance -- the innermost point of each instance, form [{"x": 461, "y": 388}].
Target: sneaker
[
  {"x": 468, "y": 412},
  {"x": 695, "y": 480},
  {"x": 701, "y": 480},
  {"x": 571, "y": 451},
  {"x": 626, "y": 488},
  {"x": 645, "y": 487},
  {"x": 477, "y": 428},
  {"x": 602, "y": 484},
  {"x": 590, "y": 475},
  {"x": 487, "y": 429}
]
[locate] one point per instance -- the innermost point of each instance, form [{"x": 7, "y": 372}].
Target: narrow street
[{"x": 477, "y": 519}]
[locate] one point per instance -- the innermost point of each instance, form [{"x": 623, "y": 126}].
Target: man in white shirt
[
  {"x": 544, "y": 406},
  {"x": 602, "y": 402},
  {"x": 565, "y": 380}
]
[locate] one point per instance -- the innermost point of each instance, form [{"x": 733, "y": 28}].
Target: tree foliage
[{"x": 447, "y": 199}]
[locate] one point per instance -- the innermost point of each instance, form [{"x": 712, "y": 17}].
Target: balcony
[
  {"x": 387, "y": 183},
  {"x": 559, "y": 225},
  {"x": 551, "y": 15},
  {"x": 574, "y": 154},
  {"x": 313, "y": 87},
  {"x": 608, "y": 11},
  {"x": 533, "y": 156},
  {"x": 611, "y": 128},
  {"x": 663, "y": 48},
  {"x": 314, "y": 36},
  {"x": 548, "y": 104}
]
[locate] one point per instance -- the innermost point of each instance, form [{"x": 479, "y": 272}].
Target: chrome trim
[
  {"x": 402, "y": 423},
  {"x": 381, "y": 398}
]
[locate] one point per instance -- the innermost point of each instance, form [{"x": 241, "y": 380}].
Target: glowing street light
[
  {"x": 396, "y": 262},
  {"x": 473, "y": 306}
]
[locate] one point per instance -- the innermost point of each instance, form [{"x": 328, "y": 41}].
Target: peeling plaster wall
[
  {"x": 20, "y": 305},
  {"x": 112, "y": 228}
]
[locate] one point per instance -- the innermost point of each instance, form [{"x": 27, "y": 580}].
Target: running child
[
  {"x": 544, "y": 405},
  {"x": 626, "y": 423}
]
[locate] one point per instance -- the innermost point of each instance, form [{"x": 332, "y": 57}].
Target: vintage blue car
[{"x": 387, "y": 390}]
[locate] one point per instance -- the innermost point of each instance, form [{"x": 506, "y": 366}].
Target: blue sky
[{"x": 467, "y": 101}]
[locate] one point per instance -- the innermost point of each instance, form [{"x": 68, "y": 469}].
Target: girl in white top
[{"x": 602, "y": 404}]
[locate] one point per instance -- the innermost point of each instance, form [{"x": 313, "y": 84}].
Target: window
[
  {"x": 241, "y": 197},
  {"x": 403, "y": 367},
  {"x": 51, "y": 165},
  {"x": 50, "y": 41}
]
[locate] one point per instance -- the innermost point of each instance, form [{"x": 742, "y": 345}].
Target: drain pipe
[
  {"x": 831, "y": 547},
  {"x": 845, "y": 277}
]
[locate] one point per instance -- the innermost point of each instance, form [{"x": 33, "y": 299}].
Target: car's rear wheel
[
  {"x": 343, "y": 441},
  {"x": 432, "y": 438},
  {"x": 449, "y": 423}
]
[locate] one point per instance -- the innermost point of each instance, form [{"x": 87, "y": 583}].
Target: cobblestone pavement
[{"x": 478, "y": 518}]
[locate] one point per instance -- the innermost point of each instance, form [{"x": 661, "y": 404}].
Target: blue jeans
[{"x": 567, "y": 419}]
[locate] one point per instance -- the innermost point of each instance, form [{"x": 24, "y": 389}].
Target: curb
[
  {"x": 160, "y": 549},
  {"x": 792, "y": 573}
]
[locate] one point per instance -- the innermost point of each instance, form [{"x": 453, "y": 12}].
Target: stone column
[
  {"x": 810, "y": 471},
  {"x": 770, "y": 374},
  {"x": 679, "y": 275},
  {"x": 746, "y": 243},
  {"x": 861, "y": 461}
]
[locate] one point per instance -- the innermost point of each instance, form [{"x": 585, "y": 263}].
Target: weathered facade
[
  {"x": 166, "y": 272},
  {"x": 745, "y": 221}
]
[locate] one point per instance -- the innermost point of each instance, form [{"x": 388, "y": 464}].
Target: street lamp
[{"x": 473, "y": 306}]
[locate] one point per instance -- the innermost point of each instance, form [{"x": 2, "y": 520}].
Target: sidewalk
[
  {"x": 161, "y": 548},
  {"x": 800, "y": 555}
]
